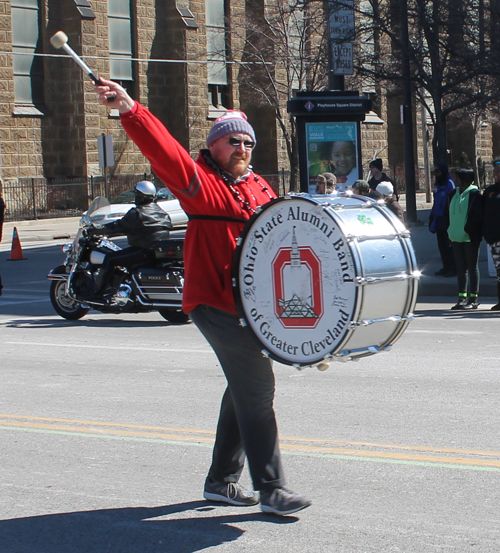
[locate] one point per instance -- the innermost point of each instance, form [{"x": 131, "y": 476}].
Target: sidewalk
[
  {"x": 424, "y": 244},
  {"x": 41, "y": 229}
]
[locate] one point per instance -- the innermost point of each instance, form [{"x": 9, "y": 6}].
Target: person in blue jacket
[{"x": 438, "y": 223}]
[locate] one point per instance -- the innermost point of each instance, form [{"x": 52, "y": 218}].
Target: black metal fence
[{"x": 40, "y": 198}]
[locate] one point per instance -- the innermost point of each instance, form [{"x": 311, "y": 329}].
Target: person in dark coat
[
  {"x": 2, "y": 213},
  {"x": 379, "y": 176},
  {"x": 144, "y": 225},
  {"x": 491, "y": 223},
  {"x": 437, "y": 223}
]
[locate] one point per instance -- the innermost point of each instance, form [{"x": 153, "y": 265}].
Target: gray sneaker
[
  {"x": 282, "y": 502},
  {"x": 229, "y": 492}
]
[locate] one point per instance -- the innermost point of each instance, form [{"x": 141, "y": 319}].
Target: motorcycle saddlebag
[
  {"x": 157, "y": 285},
  {"x": 169, "y": 249}
]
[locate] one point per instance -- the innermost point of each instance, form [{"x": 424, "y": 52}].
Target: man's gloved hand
[{"x": 93, "y": 231}]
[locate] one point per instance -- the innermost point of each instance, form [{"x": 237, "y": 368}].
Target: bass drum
[{"x": 325, "y": 277}]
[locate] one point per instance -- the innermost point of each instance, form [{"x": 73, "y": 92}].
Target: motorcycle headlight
[{"x": 66, "y": 248}]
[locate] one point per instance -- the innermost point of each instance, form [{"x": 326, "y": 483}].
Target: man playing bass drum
[{"x": 220, "y": 192}]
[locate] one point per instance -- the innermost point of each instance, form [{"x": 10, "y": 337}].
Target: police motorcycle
[{"x": 149, "y": 287}]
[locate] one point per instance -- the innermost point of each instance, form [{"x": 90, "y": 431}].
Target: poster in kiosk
[{"x": 329, "y": 136}]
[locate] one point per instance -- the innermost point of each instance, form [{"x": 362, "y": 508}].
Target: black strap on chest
[{"x": 216, "y": 218}]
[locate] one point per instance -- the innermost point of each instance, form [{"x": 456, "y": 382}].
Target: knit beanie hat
[
  {"x": 385, "y": 188},
  {"x": 231, "y": 121},
  {"x": 377, "y": 163}
]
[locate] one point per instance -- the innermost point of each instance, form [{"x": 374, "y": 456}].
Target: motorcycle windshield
[
  {"x": 96, "y": 204},
  {"x": 85, "y": 221}
]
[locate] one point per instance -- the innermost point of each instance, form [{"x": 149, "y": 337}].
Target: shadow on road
[
  {"x": 91, "y": 323},
  {"x": 128, "y": 530},
  {"x": 449, "y": 314}
]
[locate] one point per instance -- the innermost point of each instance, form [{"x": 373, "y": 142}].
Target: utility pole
[{"x": 407, "y": 116}]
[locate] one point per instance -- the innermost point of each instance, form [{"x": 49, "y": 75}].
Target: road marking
[
  {"x": 19, "y": 302},
  {"x": 444, "y": 332},
  {"x": 93, "y": 346},
  {"x": 365, "y": 451}
]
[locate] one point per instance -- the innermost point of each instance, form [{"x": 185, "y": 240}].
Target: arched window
[
  {"x": 216, "y": 54},
  {"x": 121, "y": 43},
  {"x": 28, "y": 68}
]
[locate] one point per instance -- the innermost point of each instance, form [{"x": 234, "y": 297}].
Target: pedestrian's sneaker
[
  {"x": 462, "y": 302},
  {"x": 229, "y": 492},
  {"x": 472, "y": 303},
  {"x": 282, "y": 502}
]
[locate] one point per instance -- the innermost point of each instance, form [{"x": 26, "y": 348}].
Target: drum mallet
[{"x": 60, "y": 40}]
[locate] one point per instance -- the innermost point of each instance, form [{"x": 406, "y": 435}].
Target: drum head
[{"x": 295, "y": 281}]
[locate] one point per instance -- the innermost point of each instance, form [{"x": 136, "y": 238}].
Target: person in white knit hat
[{"x": 387, "y": 190}]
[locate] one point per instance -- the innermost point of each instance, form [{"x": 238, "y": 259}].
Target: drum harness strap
[{"x": 217, "y": 218}]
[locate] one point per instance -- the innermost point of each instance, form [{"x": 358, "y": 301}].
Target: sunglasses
[{"x": 248, "y": 144}]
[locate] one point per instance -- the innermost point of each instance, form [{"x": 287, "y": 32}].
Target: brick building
[{"x": 49, "y": 116}]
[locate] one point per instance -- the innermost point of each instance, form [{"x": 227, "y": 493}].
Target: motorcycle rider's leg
[{"x": 123, "y": 258}]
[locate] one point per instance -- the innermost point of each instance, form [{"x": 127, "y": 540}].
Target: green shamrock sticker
[{"x": 364, "y": 220}]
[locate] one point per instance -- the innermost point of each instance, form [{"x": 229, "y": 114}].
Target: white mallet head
[{"x": 59, "y": 39}]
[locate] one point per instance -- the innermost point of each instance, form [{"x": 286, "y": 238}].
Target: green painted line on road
[{"x": 283, "y": 451}]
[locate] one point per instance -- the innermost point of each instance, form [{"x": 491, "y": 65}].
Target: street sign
[
  {"x": 342, "y": 63},
  {"x": 341, "y": 32},
  {"x": 341, "y": 20},
  {"x": 105, "y": 150}
]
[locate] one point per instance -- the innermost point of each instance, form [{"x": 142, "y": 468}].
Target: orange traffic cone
[{"x": 16, "y": 252}]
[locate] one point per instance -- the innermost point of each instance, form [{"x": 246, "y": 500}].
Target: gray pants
[{"x": 247, "y": 424}]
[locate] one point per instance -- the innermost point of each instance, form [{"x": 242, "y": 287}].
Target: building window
[
  {"x": 218, "y": 96},
  {"x": 28, "y": 68},
  {"x": 216, "y": 55},
  {"x": 120, "y": 43}
]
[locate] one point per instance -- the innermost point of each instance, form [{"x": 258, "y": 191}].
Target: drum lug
[{"x": 391, "y": 319}]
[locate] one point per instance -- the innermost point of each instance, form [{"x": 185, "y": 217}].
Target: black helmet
[{"x": 144, "y": 192}]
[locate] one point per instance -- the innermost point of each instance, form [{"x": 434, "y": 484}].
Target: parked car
[{"x": 125, "y": 201}]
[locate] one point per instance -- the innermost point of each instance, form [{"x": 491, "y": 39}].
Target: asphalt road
[{"x": 106, "y": 426}]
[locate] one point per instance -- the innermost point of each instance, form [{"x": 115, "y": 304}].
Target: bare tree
[
  {"x": 283, "y": 50},
  {"x": 454, "y": 59}
]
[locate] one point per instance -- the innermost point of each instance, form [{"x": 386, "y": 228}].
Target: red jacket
[{"x": 210, "y": 245}]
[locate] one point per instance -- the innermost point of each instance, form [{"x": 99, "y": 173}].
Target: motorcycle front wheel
[
  {"x": 174, "y": 315},
  {"x": 63, "y": 304}
]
